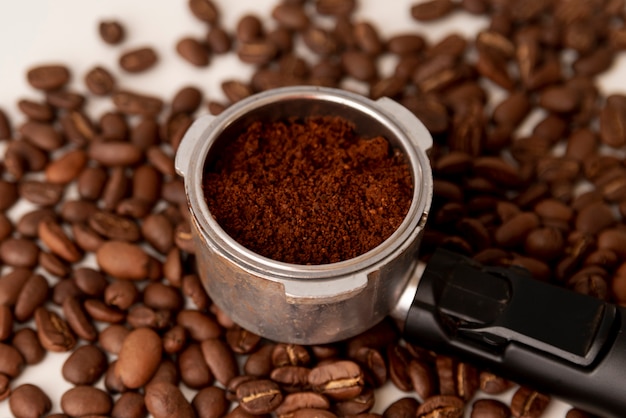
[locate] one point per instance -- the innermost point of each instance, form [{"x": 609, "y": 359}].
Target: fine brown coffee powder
[{"x": 310, "y": 191}]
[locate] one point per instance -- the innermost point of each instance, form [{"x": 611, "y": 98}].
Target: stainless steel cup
[{"x": 306, "y": 304}]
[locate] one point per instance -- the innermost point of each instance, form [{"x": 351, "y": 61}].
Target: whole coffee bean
[
  {"x": 41, "y": 193},
  {"x": 301, "y": 400},
  {"x": 210, "y": 402},
  {"x": 126, "y": 261},
  {"x": 65, "y": 99},
  {"x": 374, "y": 365},
  {"x": 28, "y": 224},
  {"x": 193, "y": 370},
  {"x": 86, "y": 400},
  {"x": 139, "y": 357},
  {"x": 78, "y": 127},
  {"x": 259, "y": 396},
  {"x": 114, "y": 227},
  {"x": 132, "y": 103},
  {"x": 42, "y": 135},
  {"x": 112, "y": 338},
  {"x": 115, "y": 153},
  {"x": 492, "y": 384},
  {"x": 99, "y": 81},
  {"x": 489, "y": 408},
  {"x": 291, "y": 16},
  {"x": 291, "y": 378},
  {"x": 129, "y": 405},
  {"x": 113, "y": 383},
  {"x": 53, "y": 264},
  {"x": 359, "y": 65},
  {"x": 259, "y": 362},
  {"x": 431, "y": 10},
  {"x": 577, "y": 413},
  {"x": 358, "y": 406},
  {"x": 53, "y": 332},
  {"x": 59, "y": 243},
  {"x": 26, "y": 342},
  {"x": 422, "y": 378},
  {"x": 290, "y": 354},
  {"x": 111, "y": 31},
  {"x": 5, "y": 126},
  {"x": 138, "y": 60},
  {"x": 192, "y": 288},
  {"x": 339, "y": 380},
  {"x": 73, "y": 211},
  {"x": 41, "y": 112},
  {"x": 204, "y": 10},
  {"x": 142, "y": 316},
  {"x": 164, "y": 400},
  {"x": 399, "y": 359},
  {"x": 11, "y": 363},
  {"x": 257, "y": 52},
  {"x": 613, "y": 239},
  {"x": 64, "y": 289},
  {"x": 33, "y": 295},
  {"x": 199, "y": 326},
  {"x": 19, "y": 252},
  {"x": 121, "y": 294},
  {"x": 66, "y": 168},
  {"x": 528, "y": 403},
  {"x": 242, "y": 341},
  {"x": 449, "y": 406},
  {"x": 158, "y": 230},
  {"x": 29, "y": 401},
  {"x": 220, "y": 359},
  {"x": 100, "y": 311},
  {"x": 78, "y": 320},
  {"x": 90, "y": 281},
  {"x": 85, "y": 365},
  {"x": 174, "y": 339},
  {"x": 48, "y": 77},
  {"x": 405, "y": 407},
  {"x": 193, "y": 51},
  {"x": 219, "y": 40},
  {"x": 544, "y": 243}
]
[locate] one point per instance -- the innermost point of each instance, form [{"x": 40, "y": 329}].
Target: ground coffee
[{"x": 310, "y": 191}]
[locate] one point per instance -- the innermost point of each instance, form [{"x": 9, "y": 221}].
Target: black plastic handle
[{"x": 559, "y": 342}]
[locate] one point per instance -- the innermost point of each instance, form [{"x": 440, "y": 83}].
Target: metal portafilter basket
[{"x": 555, "y": 340}]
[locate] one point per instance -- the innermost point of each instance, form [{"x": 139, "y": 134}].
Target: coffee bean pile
[{"x": 552, "y": 200}]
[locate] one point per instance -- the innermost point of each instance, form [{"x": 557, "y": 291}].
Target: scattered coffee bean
[
  {"x": 29, "y": 401},
  {"x": 111, "y": 31}
]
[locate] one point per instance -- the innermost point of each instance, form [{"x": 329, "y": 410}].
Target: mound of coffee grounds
[{"x": 309, "y": 191}]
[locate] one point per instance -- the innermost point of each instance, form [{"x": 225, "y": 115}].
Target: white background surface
[{"x": 48, "y": 31}]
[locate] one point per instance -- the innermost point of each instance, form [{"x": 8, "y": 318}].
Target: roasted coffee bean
[
  {"x": 48, "y": 77},
  {"x": 99, "y": 311},
  {"x": 220, "y": 360},
  {"x": 114, "y": 227},
  {"x": 199, "y": 326},
  {"x": 78, "y": 127},
  {"x": 33, "y": 295},
  {"x": 41, "y": 112},
  {"x": 129, "y": 404},
  {"x": 11, "y": 284},
  {"x": 456, "y": 378},
  {"x": 492, "y": 384},
  {"x": 77, "y": 210},
  {"x": 158, "y": 230},
  {"x": 126, "y": 261},
  {"x": 529, "y": 403},
  {"x": 65, "y": 99},
  {"x": 210, "y": 402},
  {"x": 174, "y": 339},
  {"x": 53, "y": 332},
  {"x": 431, "y": 10},
  {"x": 259, "y": 362},
  {"x": 489, "y": 408},
  {"x": 374, "y": 365},
  {"x": 359, "y": 65},
  {"x": 64, "y": 289},
  {"x": 100, "y": 81},
  {"x": 9, "y": 193},
  {"x": 204, "y": 10},
  {"x": 41, "y": 193},
  {"x": 291, "y": 378},
  {"x": 257, "y": 52},
  {"x": 5, "y": 126},
  {"x": 165, "y": 400},
  {"x": 112, "y": 337},
  {"x": 121, "y": 294},
  {"x": 399, "y": 359},
  {"x": 12, "y": 362},
  {"x": 59, "y": 243},
  {"x": 219, "y": 40},
  {"x": 259, "y": 396},
  {"x": 140, "y": 316},
  {"x": 111, "y": 31},
  {"x": 193, "y": 370},
  {"x": 405, "y": 407},
  {"x": 339, "y": 380},
  {"x": 6, "y": 226},
  {"x": 357, "y": 406},
  {"x": 448, "y": 406},
  {"x": 29, "y": 401},
  {"x": 85, "y": 365},
  {"x": 301, "y": 400},
  {"x": 78, "y": 320},
  {"x": 193, "y": 51},
  {"x": 133, "y": 103},
  {"x": 138, "y": 358},
  {"x": 90, "y": 281},
  {"x": 138, "y": 60},
  {"x": 53, "y": 264},
  {"x": 186, "y": 100},
  {"x": 115, "y": 153},
  {"x": 42, "y": 135},
  {"x": 242, "y": 341},
  {"x": 86, "y": 400},
  {"x": 290, "y": 354}
]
